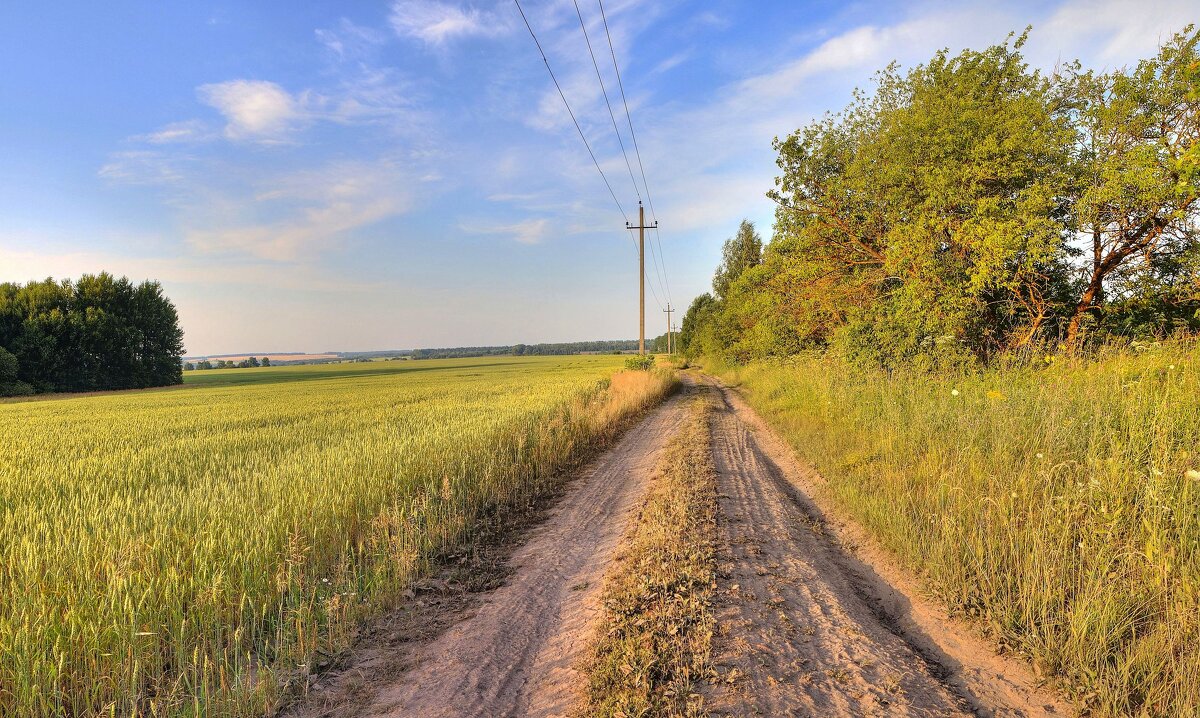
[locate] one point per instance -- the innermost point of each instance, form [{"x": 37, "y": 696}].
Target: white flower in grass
[
  {"x": 1192, "y": 474},
  {"x": 954, "y": 392}
]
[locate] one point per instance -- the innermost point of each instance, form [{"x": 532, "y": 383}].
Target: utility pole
[
  {"x": 668, "y": 311},
  {"x": 641, "y": 228}
]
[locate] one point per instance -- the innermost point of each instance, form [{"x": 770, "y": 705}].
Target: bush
[{"x": 640, "y": 363}]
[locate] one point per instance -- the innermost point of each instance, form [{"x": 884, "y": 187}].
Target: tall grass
[
  {"x": 181, "y": 552},
  {"x": 1059, "y": 507}
]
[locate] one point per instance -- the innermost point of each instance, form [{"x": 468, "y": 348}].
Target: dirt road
[
  {"x": 813, "y": 621},
  {"x": 517, "y": 654}
]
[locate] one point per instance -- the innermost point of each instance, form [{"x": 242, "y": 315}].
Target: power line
[
  {"x": 624, "y": 153},
  {"x": 637, "y": 150},
  {"x": 569, "y": 111},
  {"x": 604, "y": 91}
]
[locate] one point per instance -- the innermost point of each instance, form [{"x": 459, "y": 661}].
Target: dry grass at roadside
[{"x": 653, "y": 642}]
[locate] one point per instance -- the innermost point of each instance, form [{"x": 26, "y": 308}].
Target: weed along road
[{"x": 810, "y": 619}]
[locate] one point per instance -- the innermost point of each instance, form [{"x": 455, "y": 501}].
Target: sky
[{"x": 365, "y": 175}]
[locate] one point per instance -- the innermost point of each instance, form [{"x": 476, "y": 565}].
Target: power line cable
[
  {"x": 624, "y": 153},
  {"x": 604, "y": 91},
  {"x": 569, "y": 111},
  {"x": 637, "y": 150}
]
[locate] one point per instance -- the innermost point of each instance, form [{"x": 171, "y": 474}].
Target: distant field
[{"x": 178, "y": 551}]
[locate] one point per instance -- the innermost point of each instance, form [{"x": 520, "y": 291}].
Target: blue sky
[{"x": 367, "y": 175}]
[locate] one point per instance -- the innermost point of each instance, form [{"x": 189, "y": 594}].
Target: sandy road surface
[
  {"x": 517, "y": 654},
  {"x": 812, "y": 628}
]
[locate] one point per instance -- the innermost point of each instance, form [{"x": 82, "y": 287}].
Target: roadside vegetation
[
  {"x": 1058, "y": 507},
  {"x": 654, "y": 639},
  {"x": 976, "y": 316},
  {"x": 187, "y": 552}
]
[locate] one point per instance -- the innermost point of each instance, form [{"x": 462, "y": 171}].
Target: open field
[
  {"x": 181, "y": 552},
  {"x": 1059, "y": 508}
]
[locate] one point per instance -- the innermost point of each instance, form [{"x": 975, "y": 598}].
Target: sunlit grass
[
  {"x": 1059, "y": 507},
  {"x": 182, "y": 551}
]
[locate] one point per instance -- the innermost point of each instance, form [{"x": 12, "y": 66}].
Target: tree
[
  {"x": 188, "y": 366},
  {"x": 1138, "y": 158},
  {"x": 266, "y": 361},
  {"x": 741, "y": 252},
  {"x": 10, "y": 384},
  {"x": 926, "y": 219}
]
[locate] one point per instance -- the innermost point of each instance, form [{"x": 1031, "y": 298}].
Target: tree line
[
  {"x": 247, "y": 363},
  {"x": 971, "y": 208},
  {"x": 96, "y": 333}
]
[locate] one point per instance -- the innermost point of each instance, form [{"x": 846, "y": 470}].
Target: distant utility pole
[
  {"x": 641, "y": 228},
  {"x": 668, "y": 311}
]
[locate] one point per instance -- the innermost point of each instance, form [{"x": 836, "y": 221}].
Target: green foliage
[
  {"x": 741, "y": 252},
  {"x": 640, "y": 363},
  {"x": 98, "y": 332},
  {"x": 937, "y": 221},
  {"x": 10, "y": 384}
]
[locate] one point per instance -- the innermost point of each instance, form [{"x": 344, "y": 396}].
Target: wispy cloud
[
  {"x": 298, "y": 215},
  {"x": 435, "y": 22},
  {"x": 178, "y": 132},
  {"x": 530, "y": 231},
  {"x": 143, "y": 167},
  {"x": 253, "y": 109}
]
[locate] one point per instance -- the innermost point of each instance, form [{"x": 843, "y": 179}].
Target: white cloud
[
  {"x": 300, "y": 215},
  {"x": 348, "y": 40},
  {"x": 253, "y": 109},
  {"x": 1117, "y": 32},
  {"x": 530, "y": 231},
  {"x": 435, "y": 22}
]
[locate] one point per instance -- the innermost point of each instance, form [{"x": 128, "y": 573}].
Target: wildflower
[
  {"x": 998, "y": 396},
  {"x": 1193, "y": 475},
  {"x": 954, "y": 392},
  {"x": 1171, "y": 367},
  {"x": 1040, "y": 456}
]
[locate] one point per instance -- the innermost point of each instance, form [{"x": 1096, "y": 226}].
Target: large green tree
[
  {"x": 973, "y": 206},
  {"x": 98, "y": 332}
]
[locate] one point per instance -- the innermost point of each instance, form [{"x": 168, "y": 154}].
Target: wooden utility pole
[
  {"x": 641, "y": 228},
  {"x": 668, "y": 311}
]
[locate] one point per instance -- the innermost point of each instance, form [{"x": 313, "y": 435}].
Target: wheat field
[{"x": 183, "y": 551}]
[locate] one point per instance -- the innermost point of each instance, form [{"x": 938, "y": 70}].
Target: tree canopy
[
  {"x": 973, "y": 206},
  {"x": 95, "y": 333}
]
